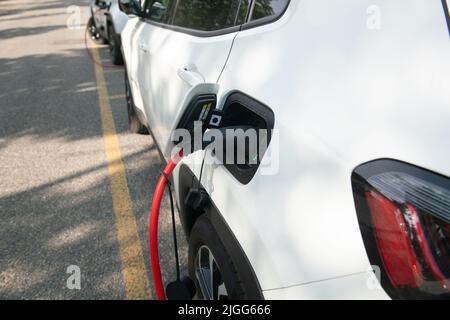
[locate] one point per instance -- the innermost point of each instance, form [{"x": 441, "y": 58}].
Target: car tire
[
  {"x": 94, "y": 33},
  {"x": 103, "y": 40},
  {"x": 135, "y": 124},
  {"x": 204, "y": 238},
  {"x": 114, "y": 47}
]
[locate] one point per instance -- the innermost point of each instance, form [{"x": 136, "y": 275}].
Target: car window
[
  {"x": 102, "y": 3},
  {"x": 160, "y": 10},
  {"x": 267, "y": 8},
  {"x": 210, "y": 15}
]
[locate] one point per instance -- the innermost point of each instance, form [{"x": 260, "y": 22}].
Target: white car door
[
  {"x": 182, "y": 44},
  {"x": 130, "y": 39}
]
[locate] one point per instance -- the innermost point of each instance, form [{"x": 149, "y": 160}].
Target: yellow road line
[
  {"x": 133, "y": 268},
  {"x": 117, "y": 97}
]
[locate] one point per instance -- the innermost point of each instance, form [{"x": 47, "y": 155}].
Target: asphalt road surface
[{"x": 75, "y": 185}]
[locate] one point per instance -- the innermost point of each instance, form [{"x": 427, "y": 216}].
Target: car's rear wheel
[
  {"x": 135, "y": 124},
  {"x": 210, "y": 265},
  {"x": 92, "y": 29}
]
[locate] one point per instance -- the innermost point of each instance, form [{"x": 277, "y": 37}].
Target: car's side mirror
[
  {"x": 133, "y": 7},
  {"x": 102, "y": 4}
]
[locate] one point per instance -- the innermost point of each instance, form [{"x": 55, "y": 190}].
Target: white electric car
[
  {"x": 109, "y": 18},
  {"x": 351, "y": 200}
]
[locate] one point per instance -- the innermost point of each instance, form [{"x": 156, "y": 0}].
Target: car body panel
[
  {"x": 118, "y": 18},
  {"x": 361, "y": 286},
  {"x": 130, "y": 35}
]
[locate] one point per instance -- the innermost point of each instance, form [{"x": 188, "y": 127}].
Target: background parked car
[{"x": 108, "y": 20}]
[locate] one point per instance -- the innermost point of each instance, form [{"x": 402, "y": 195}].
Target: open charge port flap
[{"x": 243, "y": 112}]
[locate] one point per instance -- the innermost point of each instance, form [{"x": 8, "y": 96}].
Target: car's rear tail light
[{"x": 404, "y": 215}]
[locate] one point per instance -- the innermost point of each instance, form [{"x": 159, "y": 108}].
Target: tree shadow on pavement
[
  {"x": 23, "y": 32},
  {"x": 55, "y": 200},
  {"x": 49, "y": 96},
  {"x": 34, "y": 6}
]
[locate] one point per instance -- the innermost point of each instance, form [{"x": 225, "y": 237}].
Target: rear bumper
[{"x": 361, "y": 286}]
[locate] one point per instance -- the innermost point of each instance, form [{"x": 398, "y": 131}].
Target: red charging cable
[{"x": 153, "y": 226}]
